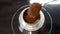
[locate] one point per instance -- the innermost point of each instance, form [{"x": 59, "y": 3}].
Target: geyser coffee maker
[{"x": 41, "y": 26}]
